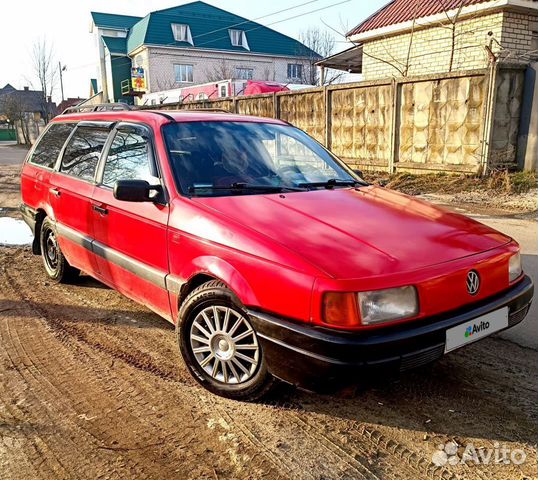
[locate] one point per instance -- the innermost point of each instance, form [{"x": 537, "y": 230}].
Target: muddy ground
[{"x": 92, "y": 386}]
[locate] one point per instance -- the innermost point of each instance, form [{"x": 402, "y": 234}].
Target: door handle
[
  {"x": 55, "y": 192},
  {"x": 100, "y": 210}
]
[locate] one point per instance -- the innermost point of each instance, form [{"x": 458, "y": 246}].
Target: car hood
[{"x": 352, "y": 233}]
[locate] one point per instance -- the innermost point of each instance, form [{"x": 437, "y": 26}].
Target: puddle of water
[{"x": 14, "y": 232}]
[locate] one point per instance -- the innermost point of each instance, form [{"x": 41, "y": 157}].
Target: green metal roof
[
  {"x": 209, "y": 29},
  {"x": 115, "y": 45},
  {"x": 111, "y": 20}
]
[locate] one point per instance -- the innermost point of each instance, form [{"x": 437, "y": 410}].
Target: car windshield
[{"x": 218, "y": 158}]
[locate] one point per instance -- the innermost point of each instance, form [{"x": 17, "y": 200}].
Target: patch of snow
[{"x": 14, "y": 232}]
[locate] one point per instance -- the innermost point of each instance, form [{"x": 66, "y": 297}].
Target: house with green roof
[{"x": 193, "y": 44}]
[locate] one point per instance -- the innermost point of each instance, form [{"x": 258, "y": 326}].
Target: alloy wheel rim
[{"x": 224, "y": 344}]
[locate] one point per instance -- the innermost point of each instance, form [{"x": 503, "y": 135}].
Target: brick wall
[
  {"x": 519, "y": 37},
  {"x": 430, "y": 49},
  {"x": 159, "y": 64}
]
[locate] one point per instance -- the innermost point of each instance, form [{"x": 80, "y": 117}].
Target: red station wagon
[{"x": 273, "y": 259}]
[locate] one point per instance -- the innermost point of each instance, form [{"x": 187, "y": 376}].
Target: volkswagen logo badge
[{"x": 473, "y": 282}]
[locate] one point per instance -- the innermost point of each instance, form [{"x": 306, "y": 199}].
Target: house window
[
  {"x": 183, "y": 73},
  {"x": 182, "y": 33},
  {"x": 239, "y": 39},
  {"x": 295, "y": 71},
  {"x": 244, "y": 73}
]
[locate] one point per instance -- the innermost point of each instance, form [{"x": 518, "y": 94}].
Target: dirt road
[{"x": 92, "y": 386}]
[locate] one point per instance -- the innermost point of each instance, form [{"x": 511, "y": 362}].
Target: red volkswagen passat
[{"x": 272, "y": 257}]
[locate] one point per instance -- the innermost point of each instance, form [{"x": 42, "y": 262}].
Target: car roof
[{"x": 163, "y": 116}]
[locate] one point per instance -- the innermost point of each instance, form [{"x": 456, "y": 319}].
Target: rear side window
[
  {"x": 129, "y": 158},
  {"x": 47, "y": 150},
  {"x": 82, "y": 152}
]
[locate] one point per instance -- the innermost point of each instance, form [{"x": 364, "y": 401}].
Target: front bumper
[{"x": 316, "y": 357}]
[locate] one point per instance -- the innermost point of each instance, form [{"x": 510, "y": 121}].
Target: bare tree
[
  {"x": 219, "y": 71},
  {"x": 44, "y": 67},
  {"x": 320, "y": 44},
  {"x": 403, "y": 66},
  {"x": 269, "y": 73},
  {"x": 452, "y": 23},
  {"x": 160, "y": 84}
]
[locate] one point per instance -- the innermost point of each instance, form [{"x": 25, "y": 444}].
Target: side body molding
[
  {"x": 150, "y": 274},
  {"x": 210, "y": 265}
]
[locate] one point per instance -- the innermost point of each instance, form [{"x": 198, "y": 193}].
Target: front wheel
[
  {"x": 56, "y": 265},
  {"x": 219, "y": 345}
]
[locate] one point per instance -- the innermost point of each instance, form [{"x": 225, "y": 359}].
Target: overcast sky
[{"x": 66, "y": 25}]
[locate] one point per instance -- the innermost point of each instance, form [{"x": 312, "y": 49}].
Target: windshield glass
[{"x": 230, "y": 158}]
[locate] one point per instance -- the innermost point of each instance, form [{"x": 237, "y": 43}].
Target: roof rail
[
  {"x": 194, "y": 110},
  {"x": 101, "y": 107},
  {"x": 210, "y": 110}
]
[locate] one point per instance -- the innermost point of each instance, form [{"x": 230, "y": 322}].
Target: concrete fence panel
[
  {"x": 506, "y": 118},
  {"x": 441, "y": 124},
  {"x": 259, "y": 106},
  {"x": 464, "y": 121},
  {"x": 360, "y": 126},
  {"x": 304, "y": 110}
]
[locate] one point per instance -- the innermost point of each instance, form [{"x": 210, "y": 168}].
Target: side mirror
[
  {"x": 134, "y": 190},
  {"x": 358, "y": 172}
]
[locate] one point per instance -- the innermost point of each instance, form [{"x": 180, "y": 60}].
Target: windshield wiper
[
  {"x": 333, "y": 182},
  {"x": 240, "y": 186}
]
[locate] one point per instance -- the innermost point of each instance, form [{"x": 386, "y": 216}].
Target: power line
[
  {"x": 260, "y": 26},
  {"x": 241, "y": 23},
  {"x": 283, "y": 20},
  {"x": 256, "y": 19}
]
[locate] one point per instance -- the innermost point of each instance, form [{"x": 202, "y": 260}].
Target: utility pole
[{"x": 61, "y": 69}]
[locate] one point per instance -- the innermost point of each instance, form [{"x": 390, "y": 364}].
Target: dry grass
[{"x": 503, "y": 182}]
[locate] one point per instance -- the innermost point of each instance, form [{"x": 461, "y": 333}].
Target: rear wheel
[
  {"x": 56, "y": 266},
  {"x": 219, "y": 345}
]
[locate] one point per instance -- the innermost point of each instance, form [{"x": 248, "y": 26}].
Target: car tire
[
  {"x": 56, "y": 265},
  {"x": 219, "y": 345}
]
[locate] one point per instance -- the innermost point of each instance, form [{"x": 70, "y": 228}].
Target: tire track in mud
[
  {"x": 339, "y": 458},
  {"x": 283, "y": 462},
  {"x": 66, "y": 333},
  {"x": 39, "y": 382},
  {"x": 129, "y": 364},
  {"x": 360, "y": 451},
  {"x": 287, "y": 465}
]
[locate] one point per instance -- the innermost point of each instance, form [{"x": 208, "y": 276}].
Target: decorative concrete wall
[{"x": 459, "y": 122}]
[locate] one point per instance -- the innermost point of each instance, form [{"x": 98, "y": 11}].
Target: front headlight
[
  {"x": 514, "y": 267},
  {"x": 386, "y": 305}
]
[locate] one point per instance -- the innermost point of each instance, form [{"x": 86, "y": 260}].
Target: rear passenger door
[
  {"x": 70, "y": 192},
  {"x": 130, "y": 238},
  {"x": 36, "y": 173}
]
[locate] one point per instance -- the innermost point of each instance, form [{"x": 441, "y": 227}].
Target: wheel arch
[
  {"x": 207, "y": 268},
  {"x": 40, "y": 216}
]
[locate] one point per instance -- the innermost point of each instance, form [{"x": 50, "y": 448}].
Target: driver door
[{"x": 130, "y": 237}]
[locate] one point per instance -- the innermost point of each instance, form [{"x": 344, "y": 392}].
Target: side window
[
  {"x": 129, "y": 158},
  {"x": 82, "y": 152},
  {"x": 47, "y": 150}
]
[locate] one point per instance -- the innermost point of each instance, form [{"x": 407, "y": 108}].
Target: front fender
[{"x": 224, "y": 271}]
